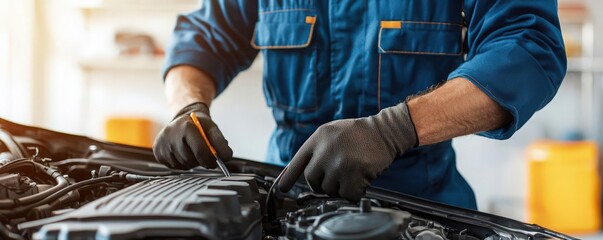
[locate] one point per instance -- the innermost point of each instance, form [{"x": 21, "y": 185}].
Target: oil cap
[{"x": 357, "y": 226}]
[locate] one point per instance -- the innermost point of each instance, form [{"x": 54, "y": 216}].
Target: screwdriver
[{"x": 221, "y": 164}]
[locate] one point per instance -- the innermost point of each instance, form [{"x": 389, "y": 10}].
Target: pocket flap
[
  {"x": 430, "y": 38},
  {"x": 285, "y": 35}
]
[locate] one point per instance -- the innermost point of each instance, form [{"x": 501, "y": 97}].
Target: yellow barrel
[
  {"x": 564, "y": 186},
  {"x": 131, "y": 131}
]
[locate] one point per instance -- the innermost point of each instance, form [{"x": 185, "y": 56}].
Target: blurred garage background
[{"x": 92, "y": 67}]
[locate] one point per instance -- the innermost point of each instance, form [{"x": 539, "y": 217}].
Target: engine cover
[{"x": 167, "y": 208}]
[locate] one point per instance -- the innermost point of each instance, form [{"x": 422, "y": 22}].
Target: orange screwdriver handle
[
  {"x": 200, "y": 128},
  {"x": 221, "y": 164}
]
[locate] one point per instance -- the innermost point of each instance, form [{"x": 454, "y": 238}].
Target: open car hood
[{"x": 61, "y": 186}]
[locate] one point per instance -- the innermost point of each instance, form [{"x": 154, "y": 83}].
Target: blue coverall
[{"x": 328, "y": 59}]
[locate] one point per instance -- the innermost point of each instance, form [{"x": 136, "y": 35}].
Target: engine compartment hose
[{"x": 61, "y": 183}]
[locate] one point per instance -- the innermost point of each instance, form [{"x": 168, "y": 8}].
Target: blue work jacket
[{"x": 328, "y": 60}]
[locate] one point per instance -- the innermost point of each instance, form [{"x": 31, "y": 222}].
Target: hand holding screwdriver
[
  {"x": 221, "y": 164},
  {"x": 179, "y": 145}
]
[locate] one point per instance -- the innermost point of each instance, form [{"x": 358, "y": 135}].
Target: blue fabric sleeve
[
  {"x": 515, "y": 54},
  {"x": 215, "y": 39}
]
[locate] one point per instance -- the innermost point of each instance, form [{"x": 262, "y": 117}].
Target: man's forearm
[
  {"x": 185, "y": 85},
  {"x": 455, "y": 109}
]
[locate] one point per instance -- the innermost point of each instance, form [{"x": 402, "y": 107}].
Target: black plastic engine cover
[{"x": 166, "y": 208}]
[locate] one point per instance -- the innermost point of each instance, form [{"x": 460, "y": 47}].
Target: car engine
[{"x": 60, "y": 186}]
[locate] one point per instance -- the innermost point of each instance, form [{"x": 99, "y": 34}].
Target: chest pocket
[
  {"x": 284, "y": 33},
  {"x": 428, "y": 38},
  {"x": 419, "y": 43}
]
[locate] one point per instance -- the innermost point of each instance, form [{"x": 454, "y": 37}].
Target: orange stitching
[
  {"x": 288, "y": 10},
  {"x": 284, "y": 46},
  {"x": 415, "y": 52},
  {"x": 310, "y": 19},
  {"x": 391, "y": 24}
]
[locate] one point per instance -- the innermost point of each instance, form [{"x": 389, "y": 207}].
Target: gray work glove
[
  {"x": 180, "y": 145},
  {"x": 342, "y": 157}
]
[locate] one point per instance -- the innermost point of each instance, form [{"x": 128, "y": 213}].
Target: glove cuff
[
  {"x": 397, "y": 128},
  {"x": 414, "y": 128},
  {"x": 193, "y": 107}
]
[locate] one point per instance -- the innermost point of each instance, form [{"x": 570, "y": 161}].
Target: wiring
[
  {"x": 54, "y": 196},
  {"x": 124, "y": 166},
  {"x": 271, "y": 192},
  {"x": 18, "y": 206},
  {"x": 10, "y": 143},
  {"x": 61, "y": 183}
]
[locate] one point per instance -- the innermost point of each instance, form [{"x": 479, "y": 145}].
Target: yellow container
[
  {"x": 564, "y": 186},
  {"x": 131, "y": 131}
]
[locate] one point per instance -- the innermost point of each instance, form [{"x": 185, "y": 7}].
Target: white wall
[
  {"x": 596, "y": 6},
  {"x": 17, "y": 83},
  {"x": 243, "y": 116},
  {"x": 61, "y": 30}
]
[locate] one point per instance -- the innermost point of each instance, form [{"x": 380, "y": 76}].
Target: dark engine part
[
  {"x": 15, "y": 186},
  {"x": 164, "y": 208},
  {"x": 59, "y": 186},
  {"x": 339, "y": 219}
]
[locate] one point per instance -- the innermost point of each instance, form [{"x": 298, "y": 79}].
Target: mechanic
[{"x": 366, "y": 92}]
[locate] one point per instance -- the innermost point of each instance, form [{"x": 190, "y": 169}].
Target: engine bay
[{"x": 60, "y": 186}]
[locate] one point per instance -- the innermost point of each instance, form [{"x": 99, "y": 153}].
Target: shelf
[
  {"x": 585, "y": 64},
  {"x": 576, "y": 13},
  {"x": 122, "y": 63},
  {"x": 137, "y": 5}
]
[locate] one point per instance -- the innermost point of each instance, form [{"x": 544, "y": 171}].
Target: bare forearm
[
  {"x": 455, "y": 109},
  {"x": 185, "y": 85}
]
